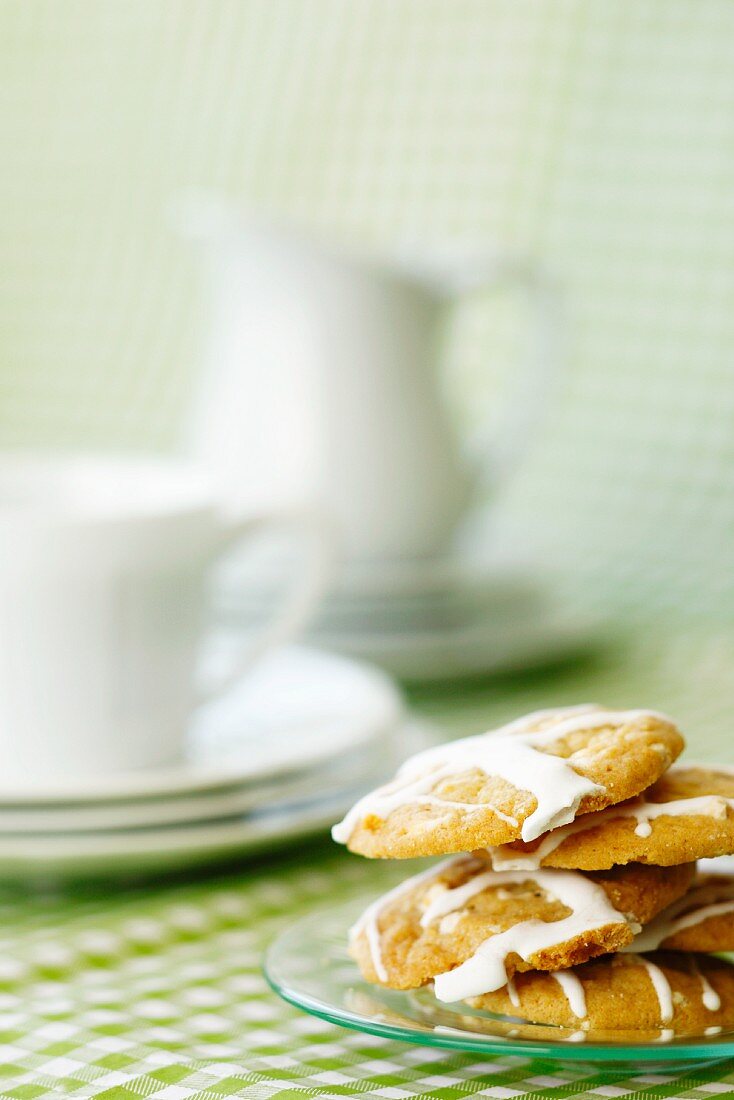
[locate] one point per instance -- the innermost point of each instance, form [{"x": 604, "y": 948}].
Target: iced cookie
[
  {"x": 688, "y": 814},
  {"x": 519, "y": 781},
  {"x": 701, "y": 920},
  {"x": 692, "y": 994},
  {"x": 468, "y": 927}
]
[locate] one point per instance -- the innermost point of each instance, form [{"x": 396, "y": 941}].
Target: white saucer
[
  {"x": 255, "y": 581},
  {"x": 363, "y": 766},
  {"x": 297, "y": 709},
  {"x": 433, "y": 619},
  {"x": 143, "y": 851},
  {"x": 483, "y": 646}
]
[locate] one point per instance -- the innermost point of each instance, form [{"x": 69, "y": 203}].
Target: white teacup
[{"x": 103, "y": 565}]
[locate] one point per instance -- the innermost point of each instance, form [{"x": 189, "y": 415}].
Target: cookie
[
  {"x": 469, "y": 927},
  {"x": 701, "y": 920},
  {"x": 519, "y": 781},
  {"x": 680, "y": 991},
  {"x": 687, "y": 814}
]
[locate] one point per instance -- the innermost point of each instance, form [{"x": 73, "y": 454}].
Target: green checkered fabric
[
  {"x": 158, "y": 993},
  {"x": 595, "y": 134}
]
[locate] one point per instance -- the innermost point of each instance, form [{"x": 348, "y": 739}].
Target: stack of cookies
[{"x": 571, "y": 839}]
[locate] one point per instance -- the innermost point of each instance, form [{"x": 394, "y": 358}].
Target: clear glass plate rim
[{"x": 314, "y": 923}]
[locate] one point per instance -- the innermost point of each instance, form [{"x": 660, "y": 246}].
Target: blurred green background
[{"x": 597, "y": 136}]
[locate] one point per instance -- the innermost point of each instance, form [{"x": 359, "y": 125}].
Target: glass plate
[{"x": 308, "y": 966}]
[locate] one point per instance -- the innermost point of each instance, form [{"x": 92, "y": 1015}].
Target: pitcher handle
[
  {"x": 299, "y": 601},
  {"x": 529, "y": 392}
]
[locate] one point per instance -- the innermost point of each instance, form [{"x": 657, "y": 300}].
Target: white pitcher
[{"x": 319, "y": 380}]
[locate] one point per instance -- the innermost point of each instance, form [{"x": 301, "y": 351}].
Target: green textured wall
[{"x": 598, "y": 135}]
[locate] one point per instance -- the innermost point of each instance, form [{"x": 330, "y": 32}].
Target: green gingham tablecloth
[
  {"x": 156, "y": 990},
  {"x": 159, "y": 994}
]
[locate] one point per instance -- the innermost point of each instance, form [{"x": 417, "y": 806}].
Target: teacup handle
[
  {"x": 300, "y": 599},
  {"x": 528, "y": 397}
]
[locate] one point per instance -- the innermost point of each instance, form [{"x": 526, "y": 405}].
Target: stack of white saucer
[
  {"x": 279, "y": 758},
  {"x": 422, "y": 620}
]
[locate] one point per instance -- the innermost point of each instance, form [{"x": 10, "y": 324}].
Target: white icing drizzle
[
  {"x": 666, "y": 1035},
  {"x": 504, "y": 857},
  {"x": 573, "y": 991},
  {"x": 707, "y": 805},
  {"x": 512, "y": 993},
  {"x": 485, "y": 970},
  {"x": 451, "y": 900},
  {"x": 662, "y": 930},
  {"x": 577, "y": 1037},
  {"x": 661, "y": 985},
  {"x": 449, "y": 922},
  {"x": 511, "y": 753},
  {"x": 715, "y": 1029},
  {"x": 368, "y": 922},
  {"x": 709, "y": 996},
  {"x": 719, "y": 894}
]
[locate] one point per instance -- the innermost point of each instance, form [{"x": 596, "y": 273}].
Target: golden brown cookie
[
  {"x": 701, "y": 920},
  {"x": 687, "y": 814},
  {"x": 687, "y": 993},
  {"x": 468, "y": 927},
  {"x": 516, "y": 782}
]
